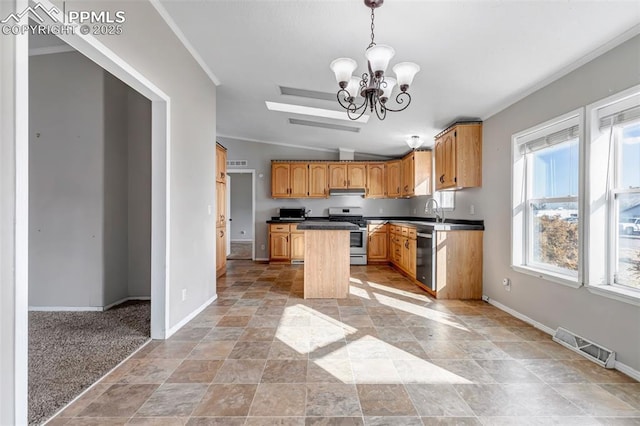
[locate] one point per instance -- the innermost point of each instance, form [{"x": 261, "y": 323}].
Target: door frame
[
  {"x": 17, "y": 106},
  {"x": 253, "y": 205}
]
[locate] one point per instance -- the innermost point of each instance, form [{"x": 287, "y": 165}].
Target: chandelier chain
[{"x": 373, "y": 43}]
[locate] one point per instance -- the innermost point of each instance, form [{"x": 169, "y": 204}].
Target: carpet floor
[{"x": 69, "y": 351}]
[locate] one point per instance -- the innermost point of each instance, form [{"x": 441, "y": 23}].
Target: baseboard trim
[
  {"x": 53, "y": 416},
  {"x": 85, "y": 308},
  {"x": 623, "y": 368},
  {"x": 189, "y": 317},
  {"x": 261, "y": 259}
]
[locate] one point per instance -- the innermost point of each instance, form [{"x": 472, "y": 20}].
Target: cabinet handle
[
  {"x": 406, "y": 244},
  {"x": 222, "y": 233},
  {"x": 344, "y": 183}
]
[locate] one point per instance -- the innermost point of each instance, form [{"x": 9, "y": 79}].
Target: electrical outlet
[
  {"x": 414, "y": 211},
  {"x": 472, "y": 209},
  {"x": 506, "y": 282},
  {"x": 262, "y": 247},
  {"x": 184, "y": 294},
  {"x": 242, "y": 232},
  {"x": 380, "y": 210}
]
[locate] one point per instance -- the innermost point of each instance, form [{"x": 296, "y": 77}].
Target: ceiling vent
[
  {"x": 324, "y": 125},
  {"x": 313, "y": 94},
  {"x": 596, "y": 353},
  {"x": 237, "y": 163}
]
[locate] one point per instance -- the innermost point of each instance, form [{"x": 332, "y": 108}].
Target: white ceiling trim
[
  {"x": 176, "y": 30},
  {"x": 632, "y": 32}
]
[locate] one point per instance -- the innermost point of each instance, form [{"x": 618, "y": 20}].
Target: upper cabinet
[
  {"x": 458, "y": 152},
  {"x": 221, "y": 164},
  {"x": 347, "y": 175},
  {"x": 289, "y": 180},
  {"x": 376, "y": 184},
  {"x": 318, "y": 180},
  {"x": 416, "y": 174},
  {"x": 394, "y": 178}
]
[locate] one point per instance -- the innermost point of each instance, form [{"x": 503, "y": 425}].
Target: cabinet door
[
  {"x": 450, "y": 159},
  {"x": 407, "y": 176},
  {"x": 279, "y": 246},
  {"x": 377, "y": 246},
  {"x": 280, "y": 180},
  {"x": 394, "y": 178},
  {"x": 221, "y": 250},
  {"x": 318, "y": 180},
  {"x": 356, "y": 175},
  {"x": 298, "y": 180},
  {"x": 375, "y": 180},
  {"x": 410, "y": 262},
  {"x": 337, "y": 176},
  {"x": 221, "y": 204},
  {"x": 297, "y": 246},
  {"x": 221, "y": 164}
]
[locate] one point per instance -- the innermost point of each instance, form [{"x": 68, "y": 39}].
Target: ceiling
[{"x": 477, "y": 57}]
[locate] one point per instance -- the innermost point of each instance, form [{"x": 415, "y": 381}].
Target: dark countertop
[
  {"x": 316, "y": 225},
  {"x": 421, "y": 223}
]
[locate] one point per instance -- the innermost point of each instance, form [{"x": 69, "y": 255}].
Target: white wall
[
  {"x": 241, "y": 205},
  {"x": 613, "y": 324},
  {"x": 259, "y": 156},
  {"x": 66, "y": 110}
]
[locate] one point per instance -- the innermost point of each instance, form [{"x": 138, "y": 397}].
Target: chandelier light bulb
[
  {"x": 387, "y": 87},
  {"x": 405, "y": 71},
  {"x": 379, "y": 57},
  {"x": 343, "y": 69}
]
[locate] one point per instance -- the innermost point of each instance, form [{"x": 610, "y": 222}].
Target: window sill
[
  {"x": 549, "y": 276},
  {"x": 617, "y": 293}
]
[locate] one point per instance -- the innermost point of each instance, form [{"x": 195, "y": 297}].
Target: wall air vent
[
  {"x": 237, "y": 163},
  {"x": 313, "y": 94},
  {"x": 596, "y": 353},
  {"x": 324, "y": 125}
]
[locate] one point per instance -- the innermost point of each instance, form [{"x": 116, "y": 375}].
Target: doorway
[{"x": 242, "y": 214}]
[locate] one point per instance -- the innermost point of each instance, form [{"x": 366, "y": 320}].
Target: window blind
[
  {"x": 549, "y": 139},
  {"x": 620, "y": 117}
]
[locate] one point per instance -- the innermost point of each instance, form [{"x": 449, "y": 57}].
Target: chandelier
[{"x": 374, "y": 87}]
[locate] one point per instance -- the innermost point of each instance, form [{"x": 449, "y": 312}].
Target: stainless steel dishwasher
[{"x": 425, "y": 265}]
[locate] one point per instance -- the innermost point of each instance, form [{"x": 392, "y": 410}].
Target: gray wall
[
  {"x": 139, "y": 194},
  {"x": 89, "y": 185},
  {"x": 259, "y": 156},
  {"x": 613, "y": 324},
  {"x": 115, "y": 284},
  {"x": 66, "y": 181},
  {"x": 241, "y": 202}
]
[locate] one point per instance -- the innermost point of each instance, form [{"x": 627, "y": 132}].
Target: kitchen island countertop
[{"x": 312, "y": 225}]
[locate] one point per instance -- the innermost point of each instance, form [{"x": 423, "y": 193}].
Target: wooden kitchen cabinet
[
  {"x": 289, "y": 180},
  {"x": 394, "y": 178},
  {"x": 318, "y": 187},
  {"x": 376, "y": 183},
  {"x": 403, "y": 247},
  {"x": 378, "y": 244},
  {"x": 221, "y": 163},
  {"x": 221, "y": 210},
  {"x": 458, "y": 262},
  {"x": 286, "y": 243},
  {"x": 347, "y": 175},
  {"x": 416, "y": 174},
  {"x": 395, "y": 245},
  {"x": 458, "y": 151}
]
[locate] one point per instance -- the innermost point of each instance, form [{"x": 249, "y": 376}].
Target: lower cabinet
[
  {"x": 286, "y": 243},
  {"x": 458, "y": 262},
  {"x": 221, "y": 250},
  {"x": 402, "y": 240},
  {"x": 378, "y": 243}
]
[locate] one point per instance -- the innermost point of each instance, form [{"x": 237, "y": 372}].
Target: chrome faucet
[{"x": 439, "y": 217}]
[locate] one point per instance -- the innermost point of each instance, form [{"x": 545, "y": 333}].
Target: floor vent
[
  {"x": 596, "y": 353},
  {"x": 297, "y": 262},
  {"x": 237, "y": 163}
]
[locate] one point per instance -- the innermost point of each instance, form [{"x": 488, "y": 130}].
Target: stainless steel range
[{"x": 358, "y": 239}]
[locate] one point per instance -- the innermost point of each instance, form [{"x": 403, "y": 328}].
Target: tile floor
[{"x": 387, "y": 355}]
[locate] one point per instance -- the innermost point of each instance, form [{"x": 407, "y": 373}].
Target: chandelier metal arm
[{"x": 400, "y": 99}]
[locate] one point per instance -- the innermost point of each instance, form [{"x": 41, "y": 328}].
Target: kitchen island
[{"x": 326, "y": 259}]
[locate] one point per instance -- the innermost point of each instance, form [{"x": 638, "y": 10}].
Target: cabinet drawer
[
  {"x": 279, "y": 227},
  {"x": 405, "y": 231},
  {"x": 412, "y": 233},
  {"x": 396, "y": 229}
]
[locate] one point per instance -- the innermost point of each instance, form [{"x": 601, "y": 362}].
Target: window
[
  {"x": 545, "y": 221},
  {"x": 614, "y": 200}
]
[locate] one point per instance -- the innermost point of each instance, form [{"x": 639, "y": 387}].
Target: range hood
[{"x": 357, "y": 192}]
